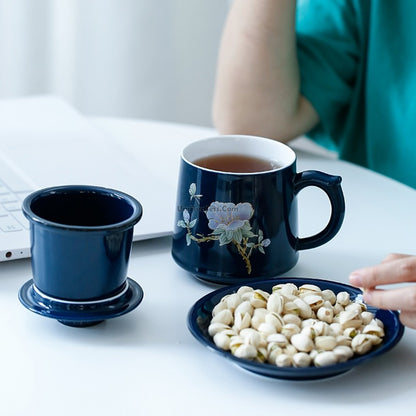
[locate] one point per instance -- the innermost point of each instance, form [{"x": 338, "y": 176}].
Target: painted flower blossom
[
  {"x": 230, "y": 223},
  {"x": 228, "y": 216}
]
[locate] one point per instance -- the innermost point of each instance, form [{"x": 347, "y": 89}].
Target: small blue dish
[
  {"x": 200, "y": 316},
  {"x": 81, "y": 313}
]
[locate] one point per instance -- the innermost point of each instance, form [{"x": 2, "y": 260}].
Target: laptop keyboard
[{"x": 11, "y": 216}]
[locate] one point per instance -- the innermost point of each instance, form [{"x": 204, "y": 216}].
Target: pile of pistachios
[{"x": 294, "y": 326}]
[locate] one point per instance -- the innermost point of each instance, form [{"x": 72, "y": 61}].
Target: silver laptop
[{"x": 45, "y": 142}]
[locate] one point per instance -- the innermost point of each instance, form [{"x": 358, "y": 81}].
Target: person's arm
[
  {"x": 258, "y": 85},
  {"x": 396, "y": 268}
]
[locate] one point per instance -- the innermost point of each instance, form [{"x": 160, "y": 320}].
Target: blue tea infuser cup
[{"x": 81, "y": 239}]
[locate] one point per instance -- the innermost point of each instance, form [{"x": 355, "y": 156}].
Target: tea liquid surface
[{"x": 236, "y": 163}]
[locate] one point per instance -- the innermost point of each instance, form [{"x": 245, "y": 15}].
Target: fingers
[
  {"x": 396, "y": 268},
  {"x": 408, "y": 318},
  {"x": 403, "y": 298},
  {"x": 394, "y": 256}
]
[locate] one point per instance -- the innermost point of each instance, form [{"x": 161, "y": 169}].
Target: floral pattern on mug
[{"x": 230, "y": 224}]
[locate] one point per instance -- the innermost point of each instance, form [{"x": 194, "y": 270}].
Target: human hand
[{"x": 395, "y": 268}]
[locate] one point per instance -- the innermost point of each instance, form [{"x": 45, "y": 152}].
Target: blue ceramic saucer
[
  {"x": 200, "y": 316},
  {"x": 81, "y": 314}
]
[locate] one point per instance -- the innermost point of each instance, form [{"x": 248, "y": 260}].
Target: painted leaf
[
  {"x": 192, "y": 223},
  {"x": 181, "y": 223},
  {"x": 186, "y": 216},
  {"x": 225, "y": 239},
  {"x": 238, "y": 236},
  {"x": 192, "y": 189},
  {"x": 247, "y": 233},
  {"x": 188, "y": 239}
]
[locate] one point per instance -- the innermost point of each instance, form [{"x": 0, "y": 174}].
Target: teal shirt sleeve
[
  {"x": 356, "y": 61},
  {"x": 328, "y": 54}
]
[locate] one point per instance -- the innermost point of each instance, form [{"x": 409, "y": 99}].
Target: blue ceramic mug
[
  {"x": 81, "y": 240},
  {"x": 236, "y": 213}
]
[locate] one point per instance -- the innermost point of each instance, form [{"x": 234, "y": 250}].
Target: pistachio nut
[
  {"x": 343, "y": 298},
  {"x": 325, "y": 342},
  {"x": 232, "y": 301},
  {"x": 275, "y": 303},
  {"x": 217, "y": 327},
  {"x": 314, "y": 301},
  {"x": 343, "y": 353},
  {"x": 274, "y": 346},
  {"x": 219, "y": 307},
  {"x": 261, "y": 355},
  {"x": 366, "y": 317},
  {"x": 313, "y": 354},
  {"x": 309, "y": 331},
  {"x": 325, "y": 314},
  {"x": 375, "y": 339},
  {"x": 373, "y": 329},
  {"x": 266, "y": 329},
  {"x": 350, "y": 318},
  {"x": 283, "y": 360},
  {"x": 321, "y": 328},
  {"x": 302, "y": 342},
  {"x": 344, "y": 340},
  {"x": 290, "y": 350},
  {"x": 241, "y": 321},
  {"x": 244, "y": 307},
  {"x": 361, "y": 344},
  {"x": 275, "y": 320},
  {"x": 273, "y": 352},
  {"x": 325, "y": 358},
  {"x": 335, "y": 329},
  {"x": 253, "y": 337},
  {"x": 291, "y": 318},
  {"x": 350, "y": 332},
  {"x": 308, "y": 288},
  {"x": 258, "y": 317},
  {"x": 291, "y": 307},
  {"x": 243, "y": 290},
  {"x": 329, "y": 295},
  {"x": 278, "y": 339},
  {"x": 309, "y": 322},
  {"x": 338, "y": 308},
  {"x": 287, "y": 290},
  {"x": 301, "y": 359},
  {"x": 235, "y": 342},
  {"x": 304, "y": 309},
  {"x": 356, "y": 307},
  {"x": 246, "y": 351},
  {"x": 379, "y": 322},
  {"x": 223, "y": 339},
  {"x": 225, "y": 316},
  {"x": 258, "y": 298},
  {"x": 290, "y": 329}
]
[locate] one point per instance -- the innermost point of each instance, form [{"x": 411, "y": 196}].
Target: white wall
[{"x": 133, "y": 58}]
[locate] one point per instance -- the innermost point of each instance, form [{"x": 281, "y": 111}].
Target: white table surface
[{"x": 148, "y": 363}]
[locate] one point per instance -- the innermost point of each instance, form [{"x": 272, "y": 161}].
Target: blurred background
[{"x": 152, "y": 59}]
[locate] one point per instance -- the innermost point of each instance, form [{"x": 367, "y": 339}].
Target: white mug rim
[{"x": 209, "y": 146}]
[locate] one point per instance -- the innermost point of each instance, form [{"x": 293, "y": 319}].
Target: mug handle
[{"x": 331, "y": 185}]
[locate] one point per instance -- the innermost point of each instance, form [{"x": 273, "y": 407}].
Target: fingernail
[{"x": 356, "y": 279}]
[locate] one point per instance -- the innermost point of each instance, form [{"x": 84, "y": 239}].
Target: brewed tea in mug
[{"x": 236, "y": 163}]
